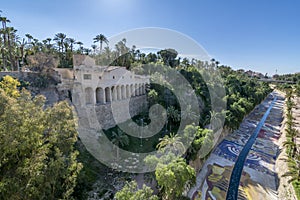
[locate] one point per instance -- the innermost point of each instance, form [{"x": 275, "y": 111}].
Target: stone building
[
  {"x": 115, "y": 93},
  {"x": 105, "y": 84}
]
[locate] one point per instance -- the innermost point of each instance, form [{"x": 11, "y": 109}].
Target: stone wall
[
  {"x": 110, "y": 114},
  {"x": 24, "y": 76}
]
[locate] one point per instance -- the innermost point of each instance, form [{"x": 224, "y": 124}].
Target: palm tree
[
  {"x": 29, "y": 37},
  {"x": 172, "y": 143},
  {"x": 189, "y": 114},
  {"x": 94, "y": 47},
  {"x": 4, "y": 21},
  {"x": 59, "y": 38},
  {"x": 100, "y": 38},
  {"x": 3, "y": 50},
  {"x": 71, "y": 41},
  {"x": 119, "y": 139},
  {"x": 173, "y": 115},
  {"x": 10, "y": 32}
]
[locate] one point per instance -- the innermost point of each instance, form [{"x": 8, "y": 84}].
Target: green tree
[
  {"x": 60, "y": 38},
  {"x": 100, "y": 38},
  {"x": 38, "y": 159},
  {"x": 172, "y": 143},
  {"x": 131, "y": 192},
  {"x": 174, "y": 178},
  {"x": 10, "y": 86}
]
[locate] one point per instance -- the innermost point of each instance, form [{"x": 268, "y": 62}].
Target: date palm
[
  {"x": 172, "y": 143},
  {"x": 71, "y": 42},
  {"x": 100, "y": 38},
  {"x": 59, "y": 38},
  {"x": 4, "y": 21}
]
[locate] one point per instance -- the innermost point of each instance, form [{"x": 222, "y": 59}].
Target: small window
[
  {"x": 87, "y": 76},
  {"x": 113, "y": 77}
]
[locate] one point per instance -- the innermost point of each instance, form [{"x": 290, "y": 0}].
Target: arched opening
[
  {"x": 136, "y": 90},
  {"x": 107, "y": 94},
  {"x": 118, "y": 92},
  {"x": 127, "y": 91},
  {"x": 100, "y": 96},
  {"x": 143, "y": 88},
  {"x": 123, "y": 92},
  {"x": 113, "y": 93},
  {"x": 89, "y": 97},
  {"x": 140, "y": 89},
  {"x": 132, "y": 90}
]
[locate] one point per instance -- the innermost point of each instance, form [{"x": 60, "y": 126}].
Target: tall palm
[
  {"x": 119, "y": 139},
  {"x": 4, "y": 21},
  {"x": 172, "y": 143},
  {"x": 29, "y": 37},
  {"x": 59, "y": 38},
  {"x": 100, "y": 38},
  {"x": 94, "y": 47},
  {"x": 189, "y": 114},
  {"x": 71, "y": 41},
  {"x": 3, "y": 51},
  {"x": 173, "y": 115},
  {"x": 10, "y": 33}
]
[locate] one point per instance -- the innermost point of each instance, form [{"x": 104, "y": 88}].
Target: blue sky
[{"x": 261, "y": 35}]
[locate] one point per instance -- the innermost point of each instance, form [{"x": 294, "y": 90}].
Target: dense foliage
[
  {"x": 38, "y": 159},
  {"x": 131, "y": 192}
]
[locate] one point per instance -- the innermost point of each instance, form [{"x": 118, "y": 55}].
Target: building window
[
  {"x": 113, "y": 77},
  {"x": 87, "y": 76}
]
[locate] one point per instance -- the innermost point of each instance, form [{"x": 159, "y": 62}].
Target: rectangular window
[{"x": 87, "y": 76}]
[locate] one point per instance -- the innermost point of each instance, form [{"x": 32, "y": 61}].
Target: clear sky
[{"x": 262, "y": 35}]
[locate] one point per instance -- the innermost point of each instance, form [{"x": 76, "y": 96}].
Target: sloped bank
[{"x": 285, "y": 189}]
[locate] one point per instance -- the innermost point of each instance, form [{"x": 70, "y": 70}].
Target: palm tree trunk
[
  {"x": 4, "y": 60},
  {"x": 12, "y": 61}
]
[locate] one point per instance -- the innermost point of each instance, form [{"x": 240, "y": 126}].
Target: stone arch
[
  {"x": 113, "y": 93},
  {"x": 140, "y": 89},
  {"x": 107, "y": 94},
  {"x": 100, "y": 95},
  {"x": 128, "y": 91},
  {"x": 123, "y": 93},
  {"x": 136, "y": 90},
  {"x": 118, "y": 92},
  {"x": 143, "y": 88},
  {"x": 89, "y": 97},
  {"x": 132, "y": 90}
]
